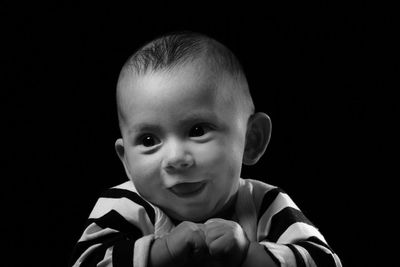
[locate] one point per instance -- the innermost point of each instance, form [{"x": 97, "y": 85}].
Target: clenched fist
[
  {"x": 226, "y": 241},
  {"x": 183, "y": 246},
  {"x": 186, "y": 243}
]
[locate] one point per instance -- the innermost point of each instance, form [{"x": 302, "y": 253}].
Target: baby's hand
[
  {"x": 226, "y": 241},
  {"x": 186, "y": 243}
]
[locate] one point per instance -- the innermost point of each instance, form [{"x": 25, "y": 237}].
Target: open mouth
[{"x": 188, "y": 189}]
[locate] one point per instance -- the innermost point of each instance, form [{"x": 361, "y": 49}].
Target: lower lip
[{"x": 188, "y": 189}]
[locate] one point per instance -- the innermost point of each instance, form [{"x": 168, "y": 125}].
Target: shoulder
[
  {"x": 258, "y": 188},
  {"x": 256, "y": 184},
  {"x": 264, "y": 194},
  {"x": 125, "y": 190},
  {"x": 124, "y": 200}
]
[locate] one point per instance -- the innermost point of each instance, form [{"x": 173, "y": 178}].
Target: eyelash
[
  {"x": 142, "y": 140},
  {"x": 154, "y": 140},
  {"x": 204, "y": 127}
]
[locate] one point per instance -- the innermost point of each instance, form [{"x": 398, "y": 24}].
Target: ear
[
  {"x": 119, "y": 148},
  {"x": 257, "y": 137}
]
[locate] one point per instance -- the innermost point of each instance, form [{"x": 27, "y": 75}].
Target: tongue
[{"x": 186, "y": 188}]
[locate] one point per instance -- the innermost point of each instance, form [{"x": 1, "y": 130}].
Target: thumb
[{"x": 199, "y": 239}]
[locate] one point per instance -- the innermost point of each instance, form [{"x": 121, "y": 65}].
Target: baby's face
[{"x": 183, "y": 144}]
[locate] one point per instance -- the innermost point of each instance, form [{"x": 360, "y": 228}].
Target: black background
[{"x": 323, "y": 72}]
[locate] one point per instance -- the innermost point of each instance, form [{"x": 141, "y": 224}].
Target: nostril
[
  {"x": 177, "y": 165},
  {"x": 184, "y": 165},
  {"x": 181, "y": 163}
]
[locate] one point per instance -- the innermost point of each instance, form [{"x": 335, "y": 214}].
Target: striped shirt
[{"x": 122, "y": 226}]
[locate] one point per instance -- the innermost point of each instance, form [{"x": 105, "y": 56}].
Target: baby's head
[{"x": 187, "y": 123}]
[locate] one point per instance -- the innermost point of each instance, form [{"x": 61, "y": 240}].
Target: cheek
[
  {"x": 144, "y": 171},
  {"x": 222, "y": 157},
  {"x": 140, "y": 166}
]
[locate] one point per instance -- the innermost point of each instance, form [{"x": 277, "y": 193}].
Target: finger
[
  {"x": 214, "y": 233},
  {"x": 211, "y": 224},
  {"x": 220, "y": 246},
  {"x": 218, "y": 224},
  {"x": 215, "y": 229},
  {"x": 215, "y": 220}
]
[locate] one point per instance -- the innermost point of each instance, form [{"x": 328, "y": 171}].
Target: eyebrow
[
  {"x": 143, "y": 127},
  {"x": 197, "y": 117},
  {"x": 189, "y": 118}
]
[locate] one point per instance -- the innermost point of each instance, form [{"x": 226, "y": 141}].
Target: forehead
[{"x": 192, "y": 86}]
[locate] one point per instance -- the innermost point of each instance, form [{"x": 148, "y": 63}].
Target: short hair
[{"x": 175, "y": 49}]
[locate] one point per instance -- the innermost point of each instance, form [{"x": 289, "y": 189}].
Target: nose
[{"x": 178, "y": 157}]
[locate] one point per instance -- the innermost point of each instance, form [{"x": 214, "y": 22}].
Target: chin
[
  {"x": 197, "y": 219},
  {"x": 191, "y": 216}
]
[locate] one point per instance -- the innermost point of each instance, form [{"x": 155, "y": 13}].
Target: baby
[{"x": 188, "y": 124}]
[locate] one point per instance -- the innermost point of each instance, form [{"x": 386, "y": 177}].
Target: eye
[
  {"x": 199, "y": 130},
  {"x": 148, "y": 140}
]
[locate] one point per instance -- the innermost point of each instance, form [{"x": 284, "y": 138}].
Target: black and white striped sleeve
[
  {"x": 118, "y": 232},
  {"x": 288, "y": 236}
]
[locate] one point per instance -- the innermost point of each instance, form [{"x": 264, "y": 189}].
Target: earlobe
[
  {"x": 257, "y": 137},
  {"x": 119, "y": 148}
]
